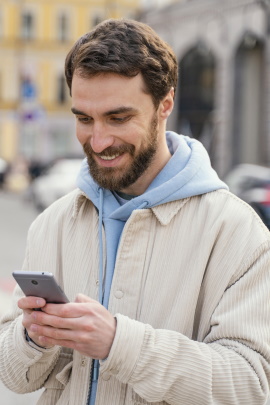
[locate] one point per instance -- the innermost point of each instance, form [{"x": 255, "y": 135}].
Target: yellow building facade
[{"x": 35, "y": 36}]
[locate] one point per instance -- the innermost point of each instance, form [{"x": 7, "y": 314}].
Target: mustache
[{"x": 111, "y": 150}]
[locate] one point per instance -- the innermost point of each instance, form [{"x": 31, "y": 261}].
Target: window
[
  {"x": 197, "y": 89},
  {"x": 61, "y": 90},
  {"x": 249, "y": 135},
  {"x": 1, "y": 24},
  {"x": 27, "y": 25},
  {"x": 63, "y": 27},
  {"x": 96, "y": 20}
]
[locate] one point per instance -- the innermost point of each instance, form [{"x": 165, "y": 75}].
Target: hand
[
  {"x": 28, "y": 304},
  {"x": 85, "y": 326}
]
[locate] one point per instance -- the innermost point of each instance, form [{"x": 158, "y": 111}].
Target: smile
[{"x": 109, "y": 157}]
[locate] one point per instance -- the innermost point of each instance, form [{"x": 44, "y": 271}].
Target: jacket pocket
[
  {"x": 64, "y": 376},
  {"x": 60, "y": 375},
  {"x": 58, "y": 379}
]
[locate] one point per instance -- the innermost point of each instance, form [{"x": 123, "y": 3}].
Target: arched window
[
  {"x": 248, "y": 138},
  {"x": 196, "y": 94}
]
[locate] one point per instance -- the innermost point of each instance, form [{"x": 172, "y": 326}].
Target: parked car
[
  {"x": 57, "y": 181},
  {"x": 252, "y": 184}
]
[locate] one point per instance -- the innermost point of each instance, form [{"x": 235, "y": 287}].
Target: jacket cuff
[
  {"x": 125, "y": 350},
  {"x": 29, "y": 352}
]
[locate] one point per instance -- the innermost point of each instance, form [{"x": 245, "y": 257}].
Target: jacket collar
[
  {"x": 164, "y": 212},
  {"x": 80, "y": 198}
]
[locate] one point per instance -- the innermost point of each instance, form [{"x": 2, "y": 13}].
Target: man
[{"x": 166, "y": 271}]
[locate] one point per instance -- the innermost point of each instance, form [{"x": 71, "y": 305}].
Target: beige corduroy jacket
[{"x": 191, "y": 292}]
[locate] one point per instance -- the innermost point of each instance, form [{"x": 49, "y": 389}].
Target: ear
[{"x": 166, "y": 105}]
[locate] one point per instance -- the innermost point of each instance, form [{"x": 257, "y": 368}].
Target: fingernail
[
  {"x": 33, "y": 328},
  {"x": 39, "y": 302}
]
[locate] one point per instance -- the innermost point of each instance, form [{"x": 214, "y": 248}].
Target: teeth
[{"x": 109, "y": 157}]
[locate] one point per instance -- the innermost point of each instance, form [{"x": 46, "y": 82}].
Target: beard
[{"x": 113, "y": 178}]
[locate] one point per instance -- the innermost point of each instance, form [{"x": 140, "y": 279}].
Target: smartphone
[{"x": 40, "y": 284}]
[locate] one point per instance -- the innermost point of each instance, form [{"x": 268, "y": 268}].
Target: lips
[
  {"x": 110, "y": 160},
  {"x": 109, "y": 157}
]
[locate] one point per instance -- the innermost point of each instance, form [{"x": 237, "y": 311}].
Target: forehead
[{"x": 108, "y": 90}]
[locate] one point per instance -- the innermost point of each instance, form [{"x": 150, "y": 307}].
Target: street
[{"x": 16, "y": 215}]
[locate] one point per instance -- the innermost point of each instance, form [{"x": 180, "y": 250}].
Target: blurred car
[
  {"x": 252, "y": 184},
  {"x": 3, "y": 171},
  {"x": 57, "y": 181}
]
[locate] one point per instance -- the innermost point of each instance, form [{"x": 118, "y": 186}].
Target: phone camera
[{"x": 34, "y": 282}]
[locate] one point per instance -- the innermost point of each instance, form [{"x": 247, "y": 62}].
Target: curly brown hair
[{"x": 126, "y": 47}]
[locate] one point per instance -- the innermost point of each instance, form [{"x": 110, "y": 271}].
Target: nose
[{"x": 100, "y": 138}]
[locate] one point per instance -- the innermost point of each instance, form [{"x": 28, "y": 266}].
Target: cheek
[
  {"x": 136, "y": 135},
  {"x": 81, "y": 134}
]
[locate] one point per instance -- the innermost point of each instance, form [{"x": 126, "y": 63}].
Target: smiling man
[{"x": 167, "y": 272}]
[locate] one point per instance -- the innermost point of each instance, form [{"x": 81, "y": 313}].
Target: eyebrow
[{"x": 119, "y": 110}]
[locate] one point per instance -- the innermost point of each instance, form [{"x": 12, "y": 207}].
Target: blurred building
[
  {"x": 35, "y": 36},
  {"x": 223, "y": 96},
  {"x": 156, "y": 4}
]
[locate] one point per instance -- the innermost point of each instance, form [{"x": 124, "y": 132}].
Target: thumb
[{"x": 83, "y": 298}]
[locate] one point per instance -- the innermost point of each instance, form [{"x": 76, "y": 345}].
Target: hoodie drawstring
[
  {"x": 100, "y": 284},
  {"x": 100, "y": 220}
]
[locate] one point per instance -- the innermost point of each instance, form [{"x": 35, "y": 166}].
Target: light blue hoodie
[{"x": 187, "y": 173}]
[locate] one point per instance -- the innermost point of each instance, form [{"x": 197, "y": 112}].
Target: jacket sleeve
[
  {"x": 232, "y": 361},
  {"x": 24, "y": 367}
]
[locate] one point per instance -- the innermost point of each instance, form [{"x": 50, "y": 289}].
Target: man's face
[
  {"x": 118, "y": 128},
  {"x": 113, "y": 178}
]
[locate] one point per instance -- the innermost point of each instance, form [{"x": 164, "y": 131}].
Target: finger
[
  {"x": 28, "y": 311},
  {"x": 27, "y": 320},
  {"x": 71, "y": 310},
  {"x": 42, "y": 318},
  {"x": 27, "y": 303},
  {"x": 83, "y": 298},
  {"x": 36, "y": 339},
  {"x": 27, "y": 323},
  {"x": 47, "y": 342},
  {"x": 52, "y": 336}
]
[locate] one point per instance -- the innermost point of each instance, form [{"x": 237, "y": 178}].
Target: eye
[
  {"x": 120, "y": 120},
  {"x": 84, "y": 120}
]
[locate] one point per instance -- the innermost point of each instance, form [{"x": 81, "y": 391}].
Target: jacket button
[
  {"x": 83, "y": 362},
  {"x": 119, "y": 294},
  {"x": 106, "y": 376}
]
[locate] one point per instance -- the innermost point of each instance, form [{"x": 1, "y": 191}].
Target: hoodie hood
[{"x": 188, "y": 173}]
